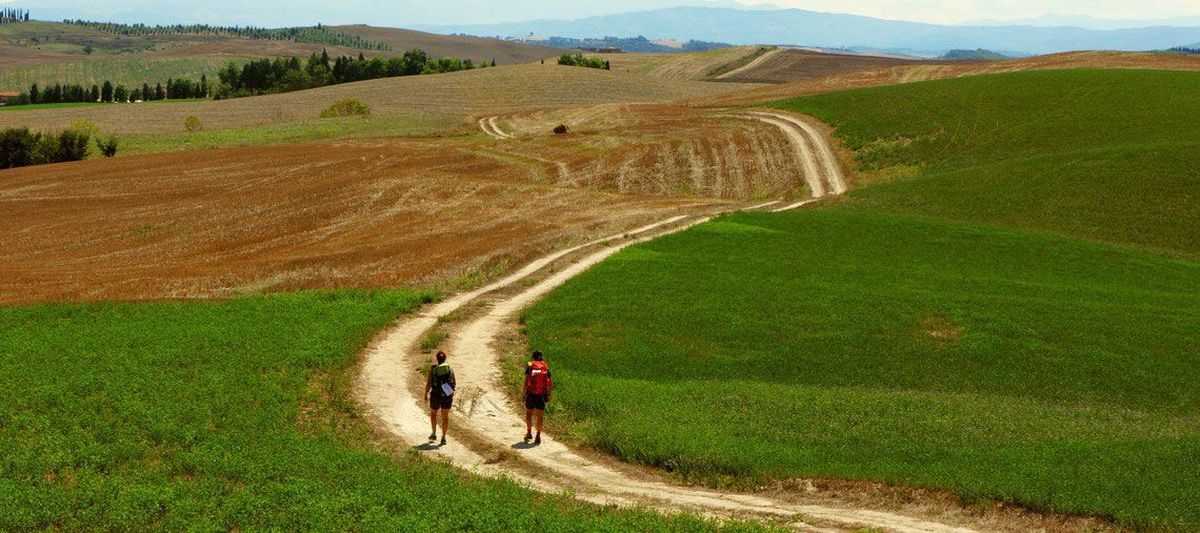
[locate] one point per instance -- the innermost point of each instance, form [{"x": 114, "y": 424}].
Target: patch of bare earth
[{"x": 224, "y": 222}]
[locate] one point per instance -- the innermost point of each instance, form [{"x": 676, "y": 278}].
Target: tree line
[
  {"x": 109, "y": 93},
  {"x": 263, "y": 76},
  {"x": 1187, "y": 49},
  {"x": 579, "y": 60},
  {"x": 11, "y": 14},
  {"x": 318, "y": 34},
  {"x": 291, "y": 74},
  {"x": 20, "y": 147}
]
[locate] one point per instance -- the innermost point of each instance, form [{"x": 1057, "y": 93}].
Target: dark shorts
[
  {"x": 440, "y": 402},
  {"x": 535, "y": 401}
]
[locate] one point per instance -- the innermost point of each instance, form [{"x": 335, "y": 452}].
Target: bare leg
[
  {"x": 540, "y": 415},
  {"x": 445, "y": 421},
  {"x": 433, "y": 421},
  {"x": 528, "y": 421}
]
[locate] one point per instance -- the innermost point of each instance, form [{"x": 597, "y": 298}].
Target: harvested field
[
  {"x": 473, "y": 48},
  {"x": 941, "y": 70},
  {"x": 444, "y": 98},
  {"x": 659, "y": 150},
  {"x": 694, "y": 66},
  {"x": 351, "y": 214},
  {"x": 794, "y": 65}
]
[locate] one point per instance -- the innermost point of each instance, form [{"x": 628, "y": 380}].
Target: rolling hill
[
  {"x": 53, "y": 52},
  {"x": 1005, "y": 308},
  {"x": 443, "y": 100},
  {"x": 831, "y": 30}
]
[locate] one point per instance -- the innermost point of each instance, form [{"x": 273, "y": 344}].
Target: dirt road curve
[
  {"x": 821, "y": 170},
  {"x": 487, "y": 429},
  {"x": 748, "y": 66},
  {"x": 492, "y": 129}
]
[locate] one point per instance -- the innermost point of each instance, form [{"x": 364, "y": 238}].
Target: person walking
[
  {"x": 440, "y": 388},
  {"x": 538, "y": 386}
]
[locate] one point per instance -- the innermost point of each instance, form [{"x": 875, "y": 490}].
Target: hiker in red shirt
[{"x": 537, "y": 393}]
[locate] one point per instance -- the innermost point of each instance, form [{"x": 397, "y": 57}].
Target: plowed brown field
[
  {"x": 922, "y": 71},
  {"x": 224, "y": 222},
  {"x": 660, "y": 150},
  {"x": 443, "y": 98}
]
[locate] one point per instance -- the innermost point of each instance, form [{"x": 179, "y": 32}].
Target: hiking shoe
[
  {"x": 538, "y": 439},
  {"x": 528, "y": 437},
  {"x": 443, "y": 440},
  {"x": 433, "y": 437}
]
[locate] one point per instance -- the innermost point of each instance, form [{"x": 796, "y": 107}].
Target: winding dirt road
[
  {"x": 492, "y": 128},
  {"x": 486, "y": 428}
]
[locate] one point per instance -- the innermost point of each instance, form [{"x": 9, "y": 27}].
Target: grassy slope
[
  {"x": 907, "y": 335},
  {"x": 226, "y": 415},
  {"x": 1106, "y": 155}
]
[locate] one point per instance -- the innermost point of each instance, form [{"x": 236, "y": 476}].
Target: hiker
[
  {"x": 537, "y": 393},
  {"x": 440, "y": 388}
]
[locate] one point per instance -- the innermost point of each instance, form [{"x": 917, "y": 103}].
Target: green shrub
[
  {"x": 578, "y": 60},
  {"x": 107, "y": 146},
  {"x": 349, "y": 107},
  {"x": 192, "y": 124},
  {"x": 21, "y": 147}
]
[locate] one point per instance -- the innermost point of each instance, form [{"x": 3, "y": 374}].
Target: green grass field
[
  {"x": 294, "y": 132},
  {"x": 16, "y": 108},
  {"x": 226, "y": 416},
  {"x": 1105, "y": 155},
  {"x": 947, "y": 328}
]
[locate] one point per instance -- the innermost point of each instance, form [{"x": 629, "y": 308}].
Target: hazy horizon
[{"x": 1110, "y": 13}]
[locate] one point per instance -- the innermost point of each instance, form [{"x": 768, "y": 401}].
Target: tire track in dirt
[
  {"x": 390, "y": 382},
  {"x": 492, "y": 128},
  {"x": 822, "y": 172},
  {"x": 748, "y": 66}
]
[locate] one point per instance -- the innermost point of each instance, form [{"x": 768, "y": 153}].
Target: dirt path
[
  {"x": 486, "y": 427},
  {"x": 822, "y": 172},
  {"x": 492, "y": 129},
  {"x": 748, "y": 66}
]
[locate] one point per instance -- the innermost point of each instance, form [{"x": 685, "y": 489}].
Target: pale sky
[
  {"x": 402, "y": 12},
  {"x": 954, "y": 11}
]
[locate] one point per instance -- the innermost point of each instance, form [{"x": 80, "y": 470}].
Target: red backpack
[{"x": 539, "y": 378}]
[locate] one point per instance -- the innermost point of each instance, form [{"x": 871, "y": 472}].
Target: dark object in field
[{"x": 561, "y": 129}]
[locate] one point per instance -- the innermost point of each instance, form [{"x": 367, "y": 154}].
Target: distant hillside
[
  {"x": 467, "y": 47},
  {"x": 628, "y": 44},
  {"x": 808, "y": 28},
  {"x": 973, "y": 55}
]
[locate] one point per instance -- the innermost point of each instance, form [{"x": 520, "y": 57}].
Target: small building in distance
[{"x": 7, "y": 97}]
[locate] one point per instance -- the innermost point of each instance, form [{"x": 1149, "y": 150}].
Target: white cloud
[{"x": 954, "y": 11}]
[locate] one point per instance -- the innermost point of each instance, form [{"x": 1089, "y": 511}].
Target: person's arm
[
  {"x": 526, "y": 386},
  {"x": 453, "y": 382},
  {"x": 549, "y": 384},
  {"x": 428, "y": 382}
]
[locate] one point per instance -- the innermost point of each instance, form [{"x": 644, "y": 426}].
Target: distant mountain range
[
  {"x": 1092, "y": 23},
  {"x": 830, "y": 30}
]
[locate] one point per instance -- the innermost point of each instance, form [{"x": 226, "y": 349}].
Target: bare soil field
[
  {"x": 659, "y": 150},
  {"x": 696, "y": 66},
  {"x": 940, "y": 70},
  {"x": 789, "y": 65},
  {"x": 447, "y": 98},
  {"x": 226, "y": 222}
]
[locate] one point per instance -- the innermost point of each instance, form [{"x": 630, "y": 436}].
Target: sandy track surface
[
  {"x": 492, "y": 129},
  {"x": 487, "y": 430},
  {"x": 821, "y": 170}
]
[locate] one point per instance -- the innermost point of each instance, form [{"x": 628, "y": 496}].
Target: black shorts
[
  {"x": 535, "y": 401},
  {"x": 440, "y": 402}
]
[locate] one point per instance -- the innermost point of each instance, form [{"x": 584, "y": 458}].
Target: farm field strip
[
  {"x": 751, "y": 65},
  {"x": 489, "y": 126},
  {"x": 485, "y": 410},
  {"x": 821, "y": 169}
]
